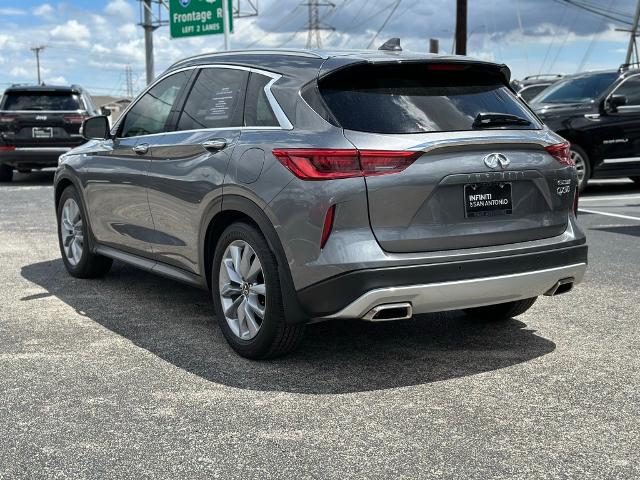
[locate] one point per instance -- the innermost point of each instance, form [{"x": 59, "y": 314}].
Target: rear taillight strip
[
  {"x": 561, "y": 152},
  {"x": 332, "y": 164}
]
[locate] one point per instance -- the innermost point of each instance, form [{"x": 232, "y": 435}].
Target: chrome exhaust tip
[
  {"x": 562, "y": 286},
  {"x": 389, "y": 311}
]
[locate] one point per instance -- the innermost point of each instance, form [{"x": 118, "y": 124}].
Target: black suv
[
  {"x": 599, "y": 113},
  {"x": 530, "y": 86},
  {"x": 38, "y": 124}
]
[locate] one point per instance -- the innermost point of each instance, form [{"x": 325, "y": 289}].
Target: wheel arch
[{"x": 235, "y": 208}]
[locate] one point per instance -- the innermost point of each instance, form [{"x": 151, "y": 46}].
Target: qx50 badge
[{"x": 496, "y": 160}]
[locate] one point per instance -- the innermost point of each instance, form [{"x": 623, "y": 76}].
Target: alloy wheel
[
  {"x": 242, "y": 290},
  {"x": 71, "y": 231},
  {"x": 581, "y": 166}
]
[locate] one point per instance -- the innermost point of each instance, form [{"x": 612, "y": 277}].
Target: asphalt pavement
[{"x": 129, "y": 377}]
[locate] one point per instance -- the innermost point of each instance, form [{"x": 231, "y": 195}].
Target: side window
[
  {"x": 257, "y": 110},
  {"x": 631, "y": 90},
  {"x": 150, "y": 113},
  {"x": 215, "y": 101}
]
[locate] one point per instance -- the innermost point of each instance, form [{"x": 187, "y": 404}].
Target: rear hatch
[
  {"x": 475, "y": 180},
  {"x": 41, "y": 118}
]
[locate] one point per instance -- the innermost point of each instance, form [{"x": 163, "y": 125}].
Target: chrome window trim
[
  {"x": 623, "y": 108},
  {"x": 284, "y": 122}
]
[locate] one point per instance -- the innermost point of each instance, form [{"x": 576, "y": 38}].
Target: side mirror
[
  {"x": 95, "y": 128},
  {"x": 615, "y": 101},
  {"x": 105, "y": 111}
]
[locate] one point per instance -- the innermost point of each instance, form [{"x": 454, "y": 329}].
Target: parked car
[
  {"x": 599, "y": 113},
  {"x": 38, "y": 123},
  {"x": 533, "y": 85},
  {"x": 297, "y": 186}
]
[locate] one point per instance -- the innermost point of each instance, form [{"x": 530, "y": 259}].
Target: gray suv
[{"x": 298, "y": 186}]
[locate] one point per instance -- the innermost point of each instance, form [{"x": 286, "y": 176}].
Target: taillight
[
  {"x": 561, "y": 152},
  {"x": 446, "y": 67},
  {"x": 327, "y": 226},
  {"x": 7, "y": 118},
  {"x": 74, "y": 118},
  {"x": 327, "y": 164},
  {"x": 7, "y": 148}
]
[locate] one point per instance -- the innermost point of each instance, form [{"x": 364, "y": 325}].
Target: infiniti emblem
[{"x": 495, "y": 160}]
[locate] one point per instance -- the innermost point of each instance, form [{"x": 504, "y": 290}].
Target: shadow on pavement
[
  {"x": 33, "y": 179},
  {"x": 176, "y": 323}
]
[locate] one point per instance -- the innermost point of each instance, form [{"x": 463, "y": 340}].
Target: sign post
[{"x": 190, "y": 18}]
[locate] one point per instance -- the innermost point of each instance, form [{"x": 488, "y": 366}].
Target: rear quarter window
[
  {"x": 41, "y": 101},
  {"x": 417, "y": 98}
]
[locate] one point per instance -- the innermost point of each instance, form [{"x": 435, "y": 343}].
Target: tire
[
  {"x": 249, "y": 294},
  {"x": 79, "y": 261},
  {"x": 6, "y": 173},
  {"x": 501, "y": 311},
  {"x": 583, "y": 166}
]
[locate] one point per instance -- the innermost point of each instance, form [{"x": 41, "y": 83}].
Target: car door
[
  {"x": 189, "y": 164},
  {"x": 620, "y": 127},
  {"x": 115, "y": 175}
]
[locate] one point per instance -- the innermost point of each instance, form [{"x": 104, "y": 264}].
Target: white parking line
[
  {"x": 617, "y": 215},
  {"x": 619, "y": 197}
]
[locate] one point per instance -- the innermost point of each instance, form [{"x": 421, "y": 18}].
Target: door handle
[
  {"x": 141, "y": 149},
  {"x": 214, "y": 145}
]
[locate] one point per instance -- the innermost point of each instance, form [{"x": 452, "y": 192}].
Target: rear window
[
  {"x": 417, "y": 98},
  {"x": 41, "y": 101}
]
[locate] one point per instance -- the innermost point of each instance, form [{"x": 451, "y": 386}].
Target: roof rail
[
  {"x": 543, "y": 75},
  {"x": 267, "y": 51}
]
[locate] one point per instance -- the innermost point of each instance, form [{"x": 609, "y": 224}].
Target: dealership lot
[{"x": 128, "y": 377}]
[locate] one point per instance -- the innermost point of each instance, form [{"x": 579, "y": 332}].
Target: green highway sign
[{"x": 189, "y": 18}]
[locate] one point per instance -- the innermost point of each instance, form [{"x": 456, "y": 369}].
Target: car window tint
[
  {"x": 50, "y": 101},
  {"x": 149, "y": 115},
  {"x": 578, "y": 89},
  {"x": 528, "y": 93},
  {"x": 257, "y": 110},
  {"x": 418, "y": 97},
  {"x": 631, "y": 90},
  {"x": 215, "y": 101}
]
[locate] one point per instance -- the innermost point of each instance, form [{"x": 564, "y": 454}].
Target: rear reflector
[
  {"x": 7, "y": 148},
  {"x": 328, "y": 225},
  {"x": 561, "y": 152},
  {"x": 74, "y": 118},
  {"x": 7, "y": 118},
  {"x": 327, "y": 164}
]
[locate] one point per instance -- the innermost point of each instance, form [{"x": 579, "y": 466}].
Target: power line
[
  {"x": 386, "y": 20},
  {"x": 37, "y": 51},
  {"x": 620, "y": 17},
  {"x": 594, "y": 39}
]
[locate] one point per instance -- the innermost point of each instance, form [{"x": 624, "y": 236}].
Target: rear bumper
[
  {"x": 444, "y": 286},
  {"x": 33, "y": 157}
]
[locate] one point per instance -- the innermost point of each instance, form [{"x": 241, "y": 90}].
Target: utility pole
[
  {"x": 225, "y": 24},
  {"x": 148, "y": 26},
  {"x": 314, "y": 40},
  {"x": 434, "y": 45},
  {"x": 461, "y": 27},
  {"x": 37, "y": 51},
  {"x": 632, "y": 38}
]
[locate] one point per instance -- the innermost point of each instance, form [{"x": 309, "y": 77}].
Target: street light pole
[
  {"x": 225, "y": 23},
  {"x": 148, "y": 40},
  {"x": 461, "y": 27},
  {"x": 37, "y": 51}
]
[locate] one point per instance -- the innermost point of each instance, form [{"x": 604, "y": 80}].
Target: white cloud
[
  {"x": 99, "y": 49},
  {"x": 71, "y": 31},
  {"x": 12, "y": 11},
  {"x": 59, "y": 80},
  {"x": 18, "y": 72},
  {"x": 120, "y": 8},
  {"x": 45, "y": 10},
  {"x": 128, "y": 30}
]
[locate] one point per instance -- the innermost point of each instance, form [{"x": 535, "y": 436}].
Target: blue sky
[{"x": 91, "y": 42}]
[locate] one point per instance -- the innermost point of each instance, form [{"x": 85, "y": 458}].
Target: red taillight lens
[
  {"x": 7, "y": 118},
  {"x": 561, "y": 152},
  {"x": 327, "y": 226},
  {"x": 74, "y": 118},
  {"x": 7, "y": 148},
  {"x": 324, "y": 164}
]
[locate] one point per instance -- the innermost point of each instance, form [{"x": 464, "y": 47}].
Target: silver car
[{"x": 302, "y": 185}]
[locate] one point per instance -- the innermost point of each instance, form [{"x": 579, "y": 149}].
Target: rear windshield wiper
[{"x": 488, "y": 119}]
